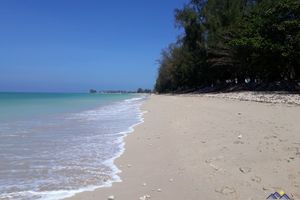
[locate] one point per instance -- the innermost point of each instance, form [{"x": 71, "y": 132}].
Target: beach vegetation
[{"x": 233, "y": 44}]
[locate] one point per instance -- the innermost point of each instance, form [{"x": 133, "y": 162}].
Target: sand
[{"x": 199, "y": 147}]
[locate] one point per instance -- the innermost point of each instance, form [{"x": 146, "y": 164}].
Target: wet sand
[{"x": 199, "y": 147}]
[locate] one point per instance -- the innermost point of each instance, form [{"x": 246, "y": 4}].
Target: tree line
[{"x": 246, "y": 44}]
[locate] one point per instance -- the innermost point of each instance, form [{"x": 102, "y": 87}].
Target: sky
[{"x": 76, "y": 45}]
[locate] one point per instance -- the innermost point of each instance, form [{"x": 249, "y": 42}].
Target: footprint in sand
[
  {"x": 295, "y": 150},
  {"x": 225, "y": 190},
  {"x": 291, "y": 177},
  {"x": 270, "y": 137},
  {"x": 218, "y": 158},
  {"x": 238, "y": 142},
  {"x": 216, "y": 168},
  {"x": 256, "y": 179}
]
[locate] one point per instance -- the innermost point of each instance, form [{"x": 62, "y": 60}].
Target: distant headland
[{"x": 139, "y": 90}]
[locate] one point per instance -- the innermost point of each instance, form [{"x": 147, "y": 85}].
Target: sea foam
[{"x": 69, "y": 153}]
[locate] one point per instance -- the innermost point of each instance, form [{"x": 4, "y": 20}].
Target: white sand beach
[{"x": 201, "y": 147}]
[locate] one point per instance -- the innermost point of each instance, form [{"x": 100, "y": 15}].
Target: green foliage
[
  {"x": 270, "y": 36},
  {"x": 141, "y": 90},
  {"x": 228, "y": 40}
]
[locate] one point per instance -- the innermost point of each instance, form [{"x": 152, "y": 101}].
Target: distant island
[
  {"x": 139, "y": 90},
  {"x": 92, "y": 91}
]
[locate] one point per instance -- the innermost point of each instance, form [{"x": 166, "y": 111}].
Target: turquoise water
[
  {"x": 16, "y": 106},
  {"x": 55, "y": 145}
]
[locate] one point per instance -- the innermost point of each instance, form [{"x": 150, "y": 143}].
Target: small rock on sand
[
  {"x": 171, "y": 180},
  {"x": 129, "y": 165},
  {"x": 214, "y": 167},
  {"x": 145, "y": 197},
  {"x": 111, "y": 197},
  {"x": 245, "y": 170},
  {"x": 144, "y": 184},
  {"x": 240, "y": 136},
  {"x": 159, "y": 190}
]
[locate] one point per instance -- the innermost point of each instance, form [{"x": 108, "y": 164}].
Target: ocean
[{"x": 53, "y": 146}]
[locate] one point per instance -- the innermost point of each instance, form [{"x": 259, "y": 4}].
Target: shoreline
[
  {"x": 65, "y": 194},
  {"x": 184, "y": 154},
  {"x": 79, "y": 164}
]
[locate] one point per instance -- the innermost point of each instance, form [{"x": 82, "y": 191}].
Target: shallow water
[{"x": 55, "y": 151}]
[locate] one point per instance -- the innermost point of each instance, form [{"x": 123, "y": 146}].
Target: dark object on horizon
[
  {"x": 92, "y": 91},
  {"x": 140, "y": 90},
  {"x": 115, "y": 92}
]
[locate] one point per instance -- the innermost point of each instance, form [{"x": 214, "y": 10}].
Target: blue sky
[{"x": 75, "y": 45}]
